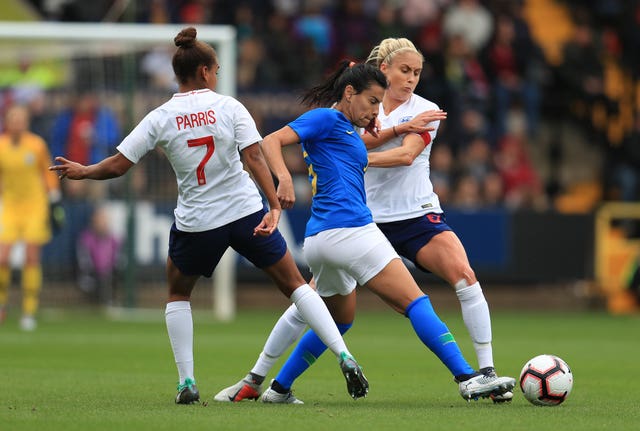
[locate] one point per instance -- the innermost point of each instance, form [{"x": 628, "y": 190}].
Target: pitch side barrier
[{"x": 503, "y": 246}]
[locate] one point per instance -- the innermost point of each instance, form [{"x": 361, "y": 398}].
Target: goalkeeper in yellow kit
[{"x": 28, "y": 194}]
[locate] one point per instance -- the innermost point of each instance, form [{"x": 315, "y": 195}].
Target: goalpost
[{"x": 57, "y": 45}]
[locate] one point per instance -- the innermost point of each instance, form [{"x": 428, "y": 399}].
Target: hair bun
[{"x": 186, "y": 38}]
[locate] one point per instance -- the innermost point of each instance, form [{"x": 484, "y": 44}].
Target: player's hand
[
  {"x": 373, "y": 127},
  {"x": 57, "y": 215},
  {"x": 286, "y": 194},
  {"x": 68, "y": 169},
  {"x": 268, "y": 224},
  {"x": 420, "y": 123}
]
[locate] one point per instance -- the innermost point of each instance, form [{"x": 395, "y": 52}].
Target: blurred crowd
[{"x": 486, "y": 65}]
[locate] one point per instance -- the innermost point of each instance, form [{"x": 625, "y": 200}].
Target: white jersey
[
  {"x": 201, "y": 133},
  {"x": 402, "y": 192}
]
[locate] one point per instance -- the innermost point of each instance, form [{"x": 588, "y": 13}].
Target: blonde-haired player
[
  {"x": 26, "y": 189},
  {"x": 401, "y": 196}
]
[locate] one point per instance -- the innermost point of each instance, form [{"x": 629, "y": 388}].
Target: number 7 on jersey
[{"x": 208, "y": 141}]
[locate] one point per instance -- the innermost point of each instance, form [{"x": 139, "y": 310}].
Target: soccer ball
[{"x": 546, "y": 380}]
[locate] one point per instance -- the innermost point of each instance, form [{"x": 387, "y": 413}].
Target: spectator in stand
[
  {"x": 622, "y": 167},
  {"x": 467, "y": 195},
  {"x": 476, "y": 159},
  {"x": 468, "y": 89},
  {"x": 471, "y": 20},
  {"x": 442, "y": 167},
  {"x": 99, "y": 259},
  {"x": 251, "y": 65},
  {"x": 510, "y": 61},
  {"x": 581, "y": 73},
  {"x": 314, "y": 26},
  {"x": 156, "y": 66},
  {"x": 87, "y": 132},
  {"x": 387, "y": 24},
  {"x": 354, "y": 30},
  {"x": 522, "y": 186},
  {"x": 414, "y": 13},
  {"x": 282, "y": 57},
  {"x": 492, "y": 190}
]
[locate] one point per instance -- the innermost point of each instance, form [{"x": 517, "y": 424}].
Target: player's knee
[{"x": 462, "y": 277}]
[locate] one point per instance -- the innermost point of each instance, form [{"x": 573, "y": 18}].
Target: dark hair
[
  {"x": 191, "y": 54},
  {"x": 359, "y": 76}
]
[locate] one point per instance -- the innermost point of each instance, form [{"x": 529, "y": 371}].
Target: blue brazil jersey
[{"x": 337, "y": 160}]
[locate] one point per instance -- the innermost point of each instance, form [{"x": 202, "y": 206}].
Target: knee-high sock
[
  {"x": 436, "y": 336},
  {"x": 476, "y": 316},
  {"x": 31, "y": 285},
  {"x": 179, "y": 322},
  {"x": 314, "y": 311},
  {"x": 5, "y": 280},
  {"x": 303, "y": 356},
  {"x": 284, "y": 333}
]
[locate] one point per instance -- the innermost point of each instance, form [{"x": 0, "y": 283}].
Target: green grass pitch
[{"x": 82, "y": 371}]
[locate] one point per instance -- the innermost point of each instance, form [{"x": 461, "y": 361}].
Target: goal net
[{"x": 88, "y": 84}]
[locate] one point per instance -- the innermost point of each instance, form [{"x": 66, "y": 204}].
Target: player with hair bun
[
  {"x": 343, "y": 254},
  {"x": 206, "y": 137}
]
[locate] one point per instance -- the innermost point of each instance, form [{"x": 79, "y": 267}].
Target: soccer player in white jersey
[
  {"x": 219, "y": 206},
  {"x": 340, "y": 249},
  {"x": 405, "y": 208},
  {"x": 401, "y": 197}
]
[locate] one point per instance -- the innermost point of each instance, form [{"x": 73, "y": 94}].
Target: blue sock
[
  {"x": 436, "y": 336},
  {"x": 309, "y": 348}
]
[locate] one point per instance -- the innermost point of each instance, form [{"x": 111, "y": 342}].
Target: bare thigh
[
  {"x": 395, "y": 286},
  {"x": 446, "y": 257}
]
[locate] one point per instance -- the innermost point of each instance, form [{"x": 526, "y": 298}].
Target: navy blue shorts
[
  {"x": 409, "y": 236},
  {"x": 198, "y": 253}
]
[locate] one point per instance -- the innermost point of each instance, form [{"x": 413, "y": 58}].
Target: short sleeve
[
  {"x": 246, "y": 132},
  {"x": 313, "y": 125},
  {"x": 140, "y": 141}
]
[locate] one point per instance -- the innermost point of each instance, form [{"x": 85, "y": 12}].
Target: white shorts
[{"x": 340, "y": 259}]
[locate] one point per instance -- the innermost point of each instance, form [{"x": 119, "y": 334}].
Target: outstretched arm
[{"x": 111, "y": 167}]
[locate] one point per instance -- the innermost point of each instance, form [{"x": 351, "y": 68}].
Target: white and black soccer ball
[{"x": 546, "y": 380}]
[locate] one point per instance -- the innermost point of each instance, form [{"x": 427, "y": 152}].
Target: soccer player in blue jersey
[
  {"x": 343, "y": 246},
  {"x": 219, "y": 205}
]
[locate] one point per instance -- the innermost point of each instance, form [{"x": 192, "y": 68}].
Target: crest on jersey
[
  {"x": 405, "y": 119},
  {"x": 434, "y": 218}
]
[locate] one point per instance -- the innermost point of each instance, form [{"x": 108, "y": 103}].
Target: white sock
[
  {"x": 284, "y": 333},
  {"x": 177, "y": 315},
  {"x": 475, "y": 313},
  {"x": 314, "y": 311}
]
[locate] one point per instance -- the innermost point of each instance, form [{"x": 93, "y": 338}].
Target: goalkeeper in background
[{"x": 29, "y": 208}]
